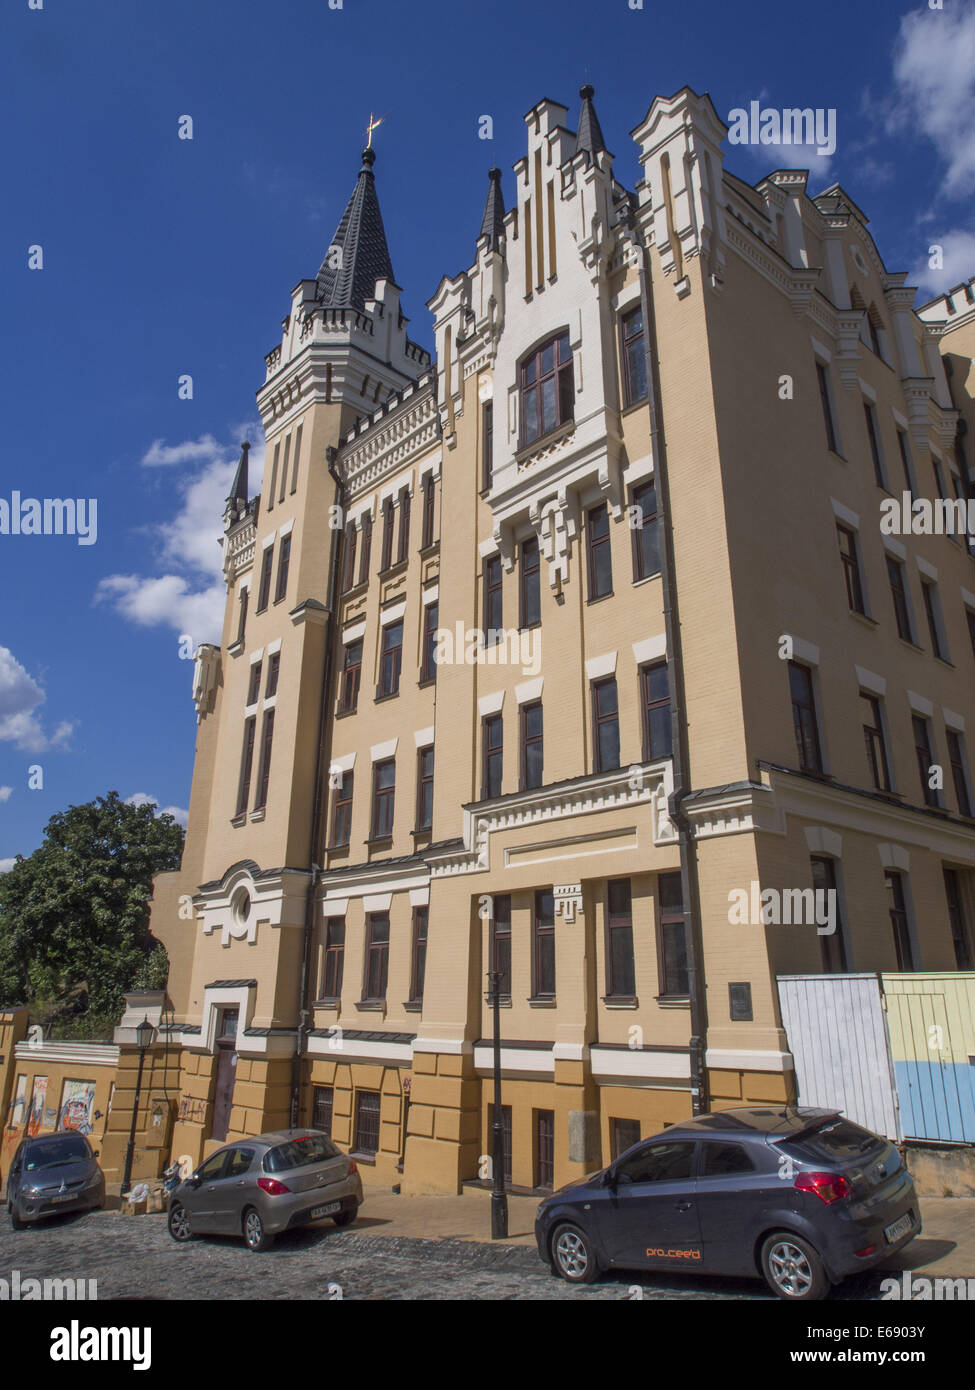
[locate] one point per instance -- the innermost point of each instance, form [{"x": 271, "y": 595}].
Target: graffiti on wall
[
  {"x": 193, "y": 1109},
  {"x": 77, "y": 1103},
  {"x": 35, "y": 1117},
  {"x": 19, "y": 1103}
]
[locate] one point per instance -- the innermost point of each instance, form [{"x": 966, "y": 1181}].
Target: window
[
  {"x": 274, "y": 476},
  {"x": 958, "y": 484},
  {"x": 492, "y": 736},
  {"x": 873, "y": 734},
  {"x": 242, "y": 620},
  {"x": 606, "y": 725},
  {"x": 674, "y": 979},
  {"x": 342, "y": 810},
  {"x": 531, "y": 595},
  {"x": 294, "y": 466},
  {"x": 334, "y": 958},
  {"x": 822, "y": 375},
  {"x": 426, "y": 531},
  {"x": 932, "y": 611},
  {"x": 655, "y": 700},
  {"x": 804, "y": 718},
  {"x": 366, "y": 548},
  {"x": 925, "y": 758},
  {"x": 391, "y": 661},
  {"x": 956, "y": 916},
  {"x": 623, "y": 1134},
  {"x": 870, "y": 416},
  {"x": 386, "y": 558},
  {"x": 531, "y": 745},
  {"x": 506, "y": 1135},
  {"x": 646, "y": 535},
  {"x": 383, "y": 797},
  {"x": 719, "y": 1160},
  {"x": 421, "y": 917},
  {"x": 273, "y": 671},
  {"x": 428, "y": 668},
  {"x": 656, "y": 1163},
  {"x": 620, "y": 974},
  {"x": 547, "y": 389},
  {"x": 351, "y": 544},
  {"x": 284, "y": 564},
  {"x": 404, "y": 525},
  {"x": 956, "y": 759},
  {"x": 493, "y": 612},
  {"x": 267, "y": 739},
  {"x": 246, "y": 765},
  {"x": 634, "y": 357},
  {"x": 904, "y": 449},
  {"x": 424, "y": 789},
  {"x": 897, "y": 907},
  {"x": 895, "y": 573},
  {"x": 254, "y": 685},
  {"x": 351, "y": 672},
  {"x": 264, "y": 592},
  {"x": 366, "y": 1132},
  {"x": 377, "y": 956},
  {"x": 321, "y": 1112},
  {"x": 970, "y": 619},
  {"x": 851, "y": 567},
  {"x": 501, "y": 941},
  {"x": 599, "y": 552},
  {"x": 832, "y": 944},
  {"x": 487, "y": 460},
  {"x": 543, "y": 945},
  {"x": 544, "y": 1148}
]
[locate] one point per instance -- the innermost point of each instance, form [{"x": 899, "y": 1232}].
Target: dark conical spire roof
[
  {"x": 357, "y": 255},
  {"x": 590, "y": 135},
  {"x": 492, "y": 223},
  {"x": 238, "y": 493}
]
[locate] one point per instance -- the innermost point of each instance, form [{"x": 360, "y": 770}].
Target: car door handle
[
  {"x": 684, "y": 1206},
  {"x": 242, "y": 1182}
]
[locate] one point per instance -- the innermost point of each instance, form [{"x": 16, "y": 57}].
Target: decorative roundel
[
  {"x": 240, "y": 906},
  {"x": 856, "y": 256}
]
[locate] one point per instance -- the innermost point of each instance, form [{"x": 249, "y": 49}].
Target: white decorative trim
[
  {"x": 900, "y": 420},
  {"x": 334, "y": 907},
  {"x": 420, "y": 897},
  {"x": 377, "y": 902},
  {"x": 431, "y": 465},
  {"x": 748, "y": 1060},
  {"x": 867, "y": 390},
  {"x": 845, "y": 514},
  {"x": 608, "y": 1062},
  {"x": 431, "y": 595},
  {"x": 926, "y": 568},
  {"x": 490, "y": 704},
  {"x": 392, "y": 614},
  {"x": 488, "y": 547},
  {"x": 953, "y": 720},
  {"x": 805, "y": 651},
  {"x": 919, "y": 704},
  {"x": 650, "y": 649},
  {"x": 453, "y": 1047},
  {"x": 894, "y": 857},
  {"x": 628, "y": 295},
  {"x": 527, "y": 1060},
  {"x": 257, "y": 656},
  {"x": 344, "y": 764},
  {"x": 894, "y": 546},
  {"x": 967, "y": 597},
  {"x": 273, "y": 647},
  {"x": 821, "y": 840},
  {"x": 287, "y": 528},
  {"x": 529, "y": 690},
  {"x": 599, "y": 666},
  {"x": 639, "y": 469},
  {"x": 268, "y": 541},
  {"x": 340, "y": 1047},
  {"x": 353, "y": 632},
  {"x": 877, "y": 685},
  {"x": 76, "y": 1053},
  {"x": 821, "y": 352},
  {"x": 245, "y": 583},
  {"x": 379, "y": 752},
  {"x": 570, "y": 1052},
  {"x": 423, "y": 737}
]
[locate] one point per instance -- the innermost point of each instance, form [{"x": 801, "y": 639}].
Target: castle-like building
[{"x": 586, "y": 652}]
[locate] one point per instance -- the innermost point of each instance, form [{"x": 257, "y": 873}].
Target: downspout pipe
[
  {"x": 689, "y": 876},
  {"x": 314, "y": 867}
]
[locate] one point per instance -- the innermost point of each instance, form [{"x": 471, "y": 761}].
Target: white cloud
[
  {"x": 178, "y": 813},
  {"x": 958, "y": 261},
  {"x": 6, "y": 793},
  {"x": 6, "y": 865},
  {"x": 934, "y": 75},
  {"x": 20, "y": 699},
  {"x": 160, "y": 455}
]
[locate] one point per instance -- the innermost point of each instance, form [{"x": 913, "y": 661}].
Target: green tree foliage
[{"x": 74, "y": 915}]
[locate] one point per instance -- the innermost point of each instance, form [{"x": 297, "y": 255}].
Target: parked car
[
  {"x": 53, "y": 1173},
  {"x": 258, "y": 1188},
  {"x": 802, "y": 1196}
]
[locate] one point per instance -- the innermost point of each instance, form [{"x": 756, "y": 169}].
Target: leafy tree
[{"x": 74, "y": 915}]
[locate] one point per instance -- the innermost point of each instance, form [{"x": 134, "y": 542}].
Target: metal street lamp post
[
  {"x": 499, "y": 1198},
  {"x": 144, "y": 1035}
]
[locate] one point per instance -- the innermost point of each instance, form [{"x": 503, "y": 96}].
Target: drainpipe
[
  {"x": 304, "y": 1010},
  {"x": 690, "y": 884}
]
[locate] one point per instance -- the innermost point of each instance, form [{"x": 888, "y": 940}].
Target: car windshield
[
  {"x": 60, "y": 1148},
  {"x": 299, "y": 1153},
  {"x": 838, "y": 1141}
]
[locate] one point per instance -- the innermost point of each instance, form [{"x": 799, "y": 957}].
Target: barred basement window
[
  {"x": 321, "y": 1114},
  {"x": 366, "y": 1133}
]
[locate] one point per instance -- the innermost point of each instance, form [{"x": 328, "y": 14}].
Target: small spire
[
  {"x": 358, "y": 255},
  {"x": 590, "y": 136},
  {"x": 238, "y": 493},
  {"x": 492, "y": 223}
]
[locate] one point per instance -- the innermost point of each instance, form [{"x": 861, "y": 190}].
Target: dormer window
[{"x": 547, "y": 389}]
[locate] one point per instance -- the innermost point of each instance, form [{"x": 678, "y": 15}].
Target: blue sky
[{"x": 165, "y": 256}]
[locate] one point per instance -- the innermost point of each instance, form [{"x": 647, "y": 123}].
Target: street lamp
[
  {"x": 499, "y": 1199},
  {"x": 144, "y": 1035}
]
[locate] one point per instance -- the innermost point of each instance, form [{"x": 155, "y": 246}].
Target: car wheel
[
  {"x": 15, "y": 1220},
  {"x": 178, "y": 1222},
  {"x": 254, "y": 1233},
  {"x": 793, "y": 1269},
  {"x": 572, "y": 1255},
  {"x": 345, "y": 1218}
]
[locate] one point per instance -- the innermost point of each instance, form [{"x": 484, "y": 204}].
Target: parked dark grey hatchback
[
  {"x": 801, "y": 1196},
  {"x": 259, "y": 1187},
  {"x": 53, "y": 1173}
]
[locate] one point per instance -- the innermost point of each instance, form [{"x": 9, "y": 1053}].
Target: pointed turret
[
  {"x": 590, "y": 135},
  {"x": 238, "y": 493},
  {"x": 358, "y": 255},
  {"x": 492, "y": 223}
]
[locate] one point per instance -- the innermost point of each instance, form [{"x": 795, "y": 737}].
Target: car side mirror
[
  {"x": 96, "y": 1153},
  {"x": 193, "y": 1180},
  {"x": 609, "y": 1178}
]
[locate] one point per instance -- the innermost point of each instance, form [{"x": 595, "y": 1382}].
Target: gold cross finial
[{"x": 371, "y": 127}]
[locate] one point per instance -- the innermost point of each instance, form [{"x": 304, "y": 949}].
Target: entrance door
[{"x": 226, "y": 1072}]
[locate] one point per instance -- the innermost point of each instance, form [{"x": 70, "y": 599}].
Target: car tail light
[
  {"x": 352, "y": 1167},
  {"x": 867, "y": 1250},
  {"x": 828, "y": 1187},
  {"x": 272, "y": 1187}
]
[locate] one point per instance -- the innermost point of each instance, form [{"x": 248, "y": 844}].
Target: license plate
[
  {"x": 326, "y": 1210},
  {"x": 900, "y": 1227},
  {"x": 69, "y": 1198}
]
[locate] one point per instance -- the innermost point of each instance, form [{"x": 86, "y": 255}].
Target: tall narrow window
[
  {"x": 960, "y": 937},
  {"x": 898, "y": 593},
  {"x": 386, "y": 558},
  {"x": 606, "y": 725},
  {"x": 876, "y": 744},
  {"x": 284, "y": 468},
  {"x": 274, "y": 476},
  {"x": 646, "y": 535},
  {"x": 421, "y": 919},
  {"x": 870, "y": 416},
  {"x": 429, "y": 510},
  {"x": 365, "y": 548},
  {"x": 487, "y": 461},
  {"x": 959, "y": 774},
  {"x": 284, "y": 564},
  {"x": 273, "y": 672},
  {"x": 547, "y": 389},
  {"x": 294, "y": 466},
  {"x": 351, "y": 673},
  {"x": 254, "y": 684},
  {"x": 543, "y": 945},
  {"x": 493, "y": 610},
  {"x": 599, "y": 552},
  {"x": 242, "y": 620},
  {"x": 366, "y": 1131},
  {"x": 932, "y": 613},
  {"x": 851, "y": 567},
  {"x": 321, "y": 1114},
  {"x": 897, "y": 908},
  {"x": 377, "y": 956},
  {"x": 634, "y": 357},
  {"x": 492, "y": 728},
  {"x": 383, "y": 799},
  {"x": 351, "y": 545},
  {"x": 246, "y": 765},
  {"x": 961, "y": 496},
  {"x": 424, "y": 788},
  {"x": 544, "y": 1149},
  {"x": 907, "y": 465},
  {"x": 531, "y": 745},
  {"x": 674, "y": 978},
  {"x": 334, "y": 958},
  {"x": 804, "y": 718},
  {"x": 501, "y": 941},
  {"x": 970, "y": 619},
  {"x": 620, "y": 974},
  {"x": 530, "y": 585},
  {"x": 826, "y": 401},
  {"x": 925, "y": 758},
  {"x": 267, "y": 738},
  {"x": 428, "y": 668},
  {"x": 342, "y": 811},
  {"x": 264, "y": 591},
  {"x": 831, "y": 944},
  {"x": 404, "y": 525},
  {"x": 391, "y": 660},
  {"x": 655, "y": 702}
]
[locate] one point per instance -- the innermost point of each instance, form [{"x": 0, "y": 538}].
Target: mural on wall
[
  {"x": 77, "y": 1104},
  {"x": 19, "y": 1103},
  {"x": 35, "y": 1118}
]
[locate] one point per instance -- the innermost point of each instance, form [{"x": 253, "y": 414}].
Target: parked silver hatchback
[{"x": 260, "y": 1187}]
